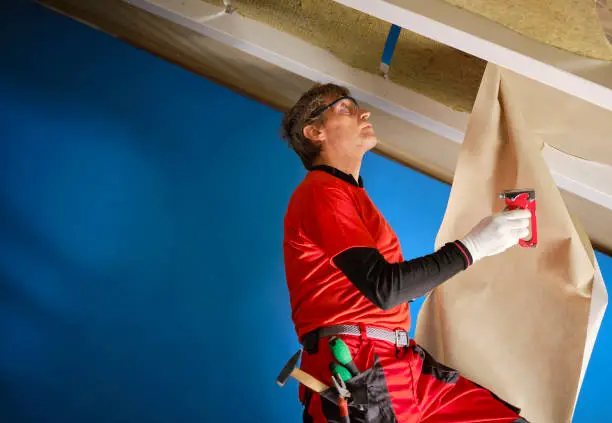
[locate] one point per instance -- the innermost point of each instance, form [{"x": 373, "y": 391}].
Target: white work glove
[{"x": 495, "y": 234}]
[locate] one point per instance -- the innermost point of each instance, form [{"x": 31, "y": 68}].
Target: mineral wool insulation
[{"x": 435, "y": 70}]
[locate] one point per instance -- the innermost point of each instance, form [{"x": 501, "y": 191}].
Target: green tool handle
[
  {"x": 342, "y": 353},
  {"x": 340, "y": 370}
]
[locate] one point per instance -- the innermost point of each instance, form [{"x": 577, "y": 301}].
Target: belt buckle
[{"x": 401, "y": 338}]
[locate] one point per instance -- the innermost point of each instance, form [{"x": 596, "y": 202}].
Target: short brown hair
[{"x": 296, "y": 118}]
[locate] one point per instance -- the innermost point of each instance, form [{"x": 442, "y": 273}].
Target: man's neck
[{"x": 349, "y": 166}]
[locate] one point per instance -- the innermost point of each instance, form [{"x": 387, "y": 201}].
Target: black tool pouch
[{"x": 370, "y": 401}]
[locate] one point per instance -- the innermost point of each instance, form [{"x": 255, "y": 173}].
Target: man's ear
[{"x": 314, "y": 133}]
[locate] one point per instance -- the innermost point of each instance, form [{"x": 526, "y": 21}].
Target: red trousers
[{"x": 404, "y": 385}]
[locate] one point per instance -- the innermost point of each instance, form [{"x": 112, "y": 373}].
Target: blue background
[{"x": 141, "y": 207}]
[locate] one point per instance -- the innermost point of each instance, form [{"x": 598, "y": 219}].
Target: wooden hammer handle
[{"x": 309, "y": 381}]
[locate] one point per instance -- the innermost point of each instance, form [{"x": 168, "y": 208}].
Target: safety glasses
[{"x": 345, "y": 105}]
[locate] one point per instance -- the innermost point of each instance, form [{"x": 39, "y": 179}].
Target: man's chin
[{"x": 370, "y": 142}]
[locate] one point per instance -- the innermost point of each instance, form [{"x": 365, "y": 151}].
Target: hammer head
[{"x": 289, "y": 367}]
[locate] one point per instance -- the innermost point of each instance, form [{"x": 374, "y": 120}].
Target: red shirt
[{"x": 327, "y": 214}]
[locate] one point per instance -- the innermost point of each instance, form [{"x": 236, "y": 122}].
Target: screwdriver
[
  {"x": 339, "y": 370},
  {"x": 342, "y": 353}
]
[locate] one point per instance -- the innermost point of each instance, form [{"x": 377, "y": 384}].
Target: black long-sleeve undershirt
[{"x": 389, "y": 284}]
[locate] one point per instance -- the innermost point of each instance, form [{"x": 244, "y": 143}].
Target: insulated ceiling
[
  {"x": 452, "y": 77},
  {"x": 442, "y": 73},
  {"x": 571, "y": 25},
  {"x": 430, "y": 68}
]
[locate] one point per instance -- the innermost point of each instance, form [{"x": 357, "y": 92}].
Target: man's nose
[{"x": 364, "y": 114}]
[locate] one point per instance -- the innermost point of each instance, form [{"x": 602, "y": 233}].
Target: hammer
[{"x": 291, "y": 369}]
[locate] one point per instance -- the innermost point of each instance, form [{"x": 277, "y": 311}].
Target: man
[{"x": 347, "y": 278}]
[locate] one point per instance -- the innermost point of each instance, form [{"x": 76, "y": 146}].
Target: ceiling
[
  {"x": 273, "y": 50},
  {"x": 571, "y": 25}
]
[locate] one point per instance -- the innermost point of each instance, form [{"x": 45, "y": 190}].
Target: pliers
[{"x": 343, "y": 395}]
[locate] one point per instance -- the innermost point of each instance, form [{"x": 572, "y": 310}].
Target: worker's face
[{"x": 345, "y": 128}]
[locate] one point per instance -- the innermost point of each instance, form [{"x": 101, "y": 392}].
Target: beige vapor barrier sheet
[{"x": 521, "y": 323}]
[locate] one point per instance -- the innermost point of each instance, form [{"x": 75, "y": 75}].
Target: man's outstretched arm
[
  {"x": 334, "y": 223},
  {"x": 387, "y": 285}
]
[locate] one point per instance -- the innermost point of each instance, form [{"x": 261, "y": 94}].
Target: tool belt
[
  {"x": 361, "y": 393},
  {"x": 310, "y": 341}
]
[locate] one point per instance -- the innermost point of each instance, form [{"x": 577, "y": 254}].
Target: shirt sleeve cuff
[{"x": 465, "y": 253}]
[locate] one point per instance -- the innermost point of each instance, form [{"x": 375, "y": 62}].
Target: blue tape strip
[{"x": 392, "y": 37}]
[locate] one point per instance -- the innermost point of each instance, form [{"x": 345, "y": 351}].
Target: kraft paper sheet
[{"x": 522, "y": 323}]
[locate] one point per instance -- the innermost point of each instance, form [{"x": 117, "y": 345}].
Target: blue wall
[{"x": 141, "y": 215}]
